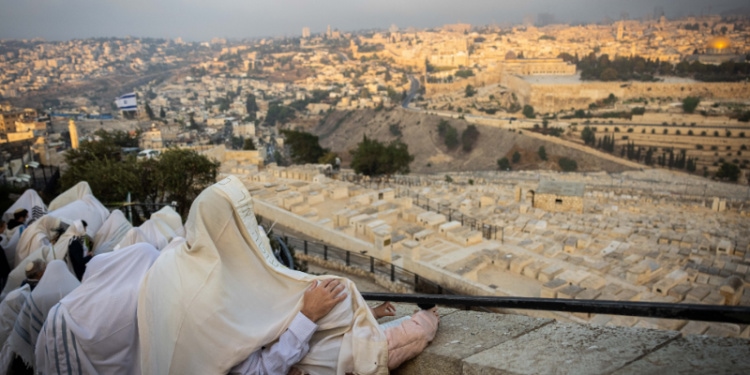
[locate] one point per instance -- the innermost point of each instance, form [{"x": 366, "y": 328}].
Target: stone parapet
[{"x": 470, "y": 342}]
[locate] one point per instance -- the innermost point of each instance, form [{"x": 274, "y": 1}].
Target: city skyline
[{"x": 192, "y": 21}]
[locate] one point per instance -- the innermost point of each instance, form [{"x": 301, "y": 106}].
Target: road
[{"x": 412, "y": 93}]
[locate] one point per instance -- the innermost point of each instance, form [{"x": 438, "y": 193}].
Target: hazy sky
[{"x": 204, "y": 19}]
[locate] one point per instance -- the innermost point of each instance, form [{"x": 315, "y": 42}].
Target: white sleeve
[{"x": 279, "y": 357}]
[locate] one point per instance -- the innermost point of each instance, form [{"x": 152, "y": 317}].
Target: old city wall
[
  {"x": 479, "y": 80},
  {"x": 553, "y": 98}
]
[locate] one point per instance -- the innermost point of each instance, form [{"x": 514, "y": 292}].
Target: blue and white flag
[{"x": 127, "y": 102}]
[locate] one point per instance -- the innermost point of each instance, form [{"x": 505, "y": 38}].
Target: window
[{"x": 558, "y": 201}]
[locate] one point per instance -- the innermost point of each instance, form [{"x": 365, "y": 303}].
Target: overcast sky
[{"x": 204, "y": 19}]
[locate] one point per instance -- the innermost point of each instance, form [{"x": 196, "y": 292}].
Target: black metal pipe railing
[
  {"x": 447, "y": 297},
  {"x": 707, "y": 313}
]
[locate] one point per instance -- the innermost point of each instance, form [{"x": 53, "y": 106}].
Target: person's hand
[
  {"x": 383, "y": 310},
  {"x": 321, "y": 297}
]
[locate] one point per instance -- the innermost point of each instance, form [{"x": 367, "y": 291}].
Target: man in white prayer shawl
[
  {"x": 93, "y": 330},
  {"x": 56, "y": 283},
  {"x": 219, "y": 301}
]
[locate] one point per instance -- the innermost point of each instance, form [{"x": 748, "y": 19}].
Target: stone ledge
[{"x": 470, "y": 342}]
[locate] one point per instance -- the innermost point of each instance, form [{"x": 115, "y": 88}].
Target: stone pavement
[{"x": 476, "y": 343}]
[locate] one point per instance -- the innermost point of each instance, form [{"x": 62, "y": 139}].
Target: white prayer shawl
[
  {"x": 9, "y": 244},
  {"x": 47, "y": 253},
  {"x": 87, "y": 208},
  {"x": 30, "y": 201},
  {"x": 71, "y": 195},
  {"x": 209, "y": 302},
  {"x": 56, "y": 283},
  {"x": 153, "y": 235},
  {"x": 9, "y": 309},
  {"x": 38, "y": 234},
  {"x": 93, "y": 330},
  {"x": 111, "y": 233},
  {"x": 169, "y": 222},
  {"x": 132, "y": 237}
]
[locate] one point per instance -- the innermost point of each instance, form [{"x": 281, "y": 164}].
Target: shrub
[
  {"x": 568, "y": 165},
  {"x": 503, "y": 164},
  {"x": 516, "y": 157},
  {"x": 542, "y": 153}
]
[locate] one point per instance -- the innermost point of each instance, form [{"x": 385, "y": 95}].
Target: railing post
[
  {"x": 372, "y": 264},
  {"x": 305, "y": 242},
  {"x": 416, "y": 281},
  {"x": 347, "y": 258},
  {"x": 325, "y": 252},
  {"x": 393, "y": 273}
]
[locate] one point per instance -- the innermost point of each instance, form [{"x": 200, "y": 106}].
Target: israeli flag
[{"x": 127, "y": 102}]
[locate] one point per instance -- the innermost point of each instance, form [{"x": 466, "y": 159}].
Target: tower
[
  {"x": 620, "y": 31},
  {"x": 328, "y": 32},
  {"x": 305, "y": 32},
  {"x": 73, "y": 129}
]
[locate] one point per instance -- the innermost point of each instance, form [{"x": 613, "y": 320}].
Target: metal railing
[
  {"x": 431, "y": 293},
  {"x": 363, "y": 261}
]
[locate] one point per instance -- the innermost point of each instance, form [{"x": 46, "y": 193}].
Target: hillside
[{"x": 341, "y": 131}]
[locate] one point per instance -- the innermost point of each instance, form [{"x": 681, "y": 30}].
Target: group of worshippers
[{"x": 208, "y": 297}]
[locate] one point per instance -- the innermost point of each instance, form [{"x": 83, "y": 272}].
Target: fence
[{"x": 364, "y": 262}]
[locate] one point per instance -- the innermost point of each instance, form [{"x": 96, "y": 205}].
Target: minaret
[{"x": 73, "y": 134}]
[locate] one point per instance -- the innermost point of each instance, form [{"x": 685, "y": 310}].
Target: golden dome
[{"x": 719, "y": 43}]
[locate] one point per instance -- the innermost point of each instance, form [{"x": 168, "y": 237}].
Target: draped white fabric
[
  {"x": 29, "y": 200},
  {"x": 71, "y": 195},
  {"x": 38, "y": 234},
  {"x": 47, "y": 253},
  {"x": 56, "y": 283},
  {"x": 111, "y": 233},
  {"x": 94, "y": 329},
  {"x": 87, "y": 208},
  {"x": 169, "y": 223},
  {"x": 9, "y": 309},
  {"x": 9, "y": 243},
  {"x": 132, "y": 237},
  {"x": 153, "y": 235},
  {"x": 209, "y": 302}
]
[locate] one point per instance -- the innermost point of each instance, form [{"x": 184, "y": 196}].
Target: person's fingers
[
  {"x": 313, "y": 285},
  {"x": 340, "y": 297},
  {"x": 327, "y": 282}
]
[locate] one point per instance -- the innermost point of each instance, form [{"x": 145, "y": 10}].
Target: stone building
[{"x": 558, "y": 196}]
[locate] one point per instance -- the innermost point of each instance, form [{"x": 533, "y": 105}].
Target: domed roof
[{"x": 719, "y": 43}]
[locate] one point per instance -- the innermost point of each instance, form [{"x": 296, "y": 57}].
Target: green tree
[
  {"x": 451, "y": 138},
  {"x": 304, "y": 147},
  {"x": 469, "y": 138},
  {"x": 567, "y": 165},
  {"x": 181, "y": 175},
  {"x": 528, "y": 111},
  {"x": 728, "y": 171},
  {"x": 470, "y": 91},
  {"x": 177, "y": 175},
  {"x": 149, "y": 112},
  {"x": 542, "y": 153},
  {"x": 249, "y": 145},
  {"x": 373, "y": 158},
  {"x": 690, "y": 103},
  {"x": 503, "y": 164},
  {"x": 588, "y": 136},
  {"x": 162, "y": 113},
  {"x": 251, "y": 106},
  {"x": 609, "y": 74},
  {"x": 516, "y": 157}
]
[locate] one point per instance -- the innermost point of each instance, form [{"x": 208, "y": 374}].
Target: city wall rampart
[
  {"x": 478, "y": 80},
  {"x": 564, "y": 96}
]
